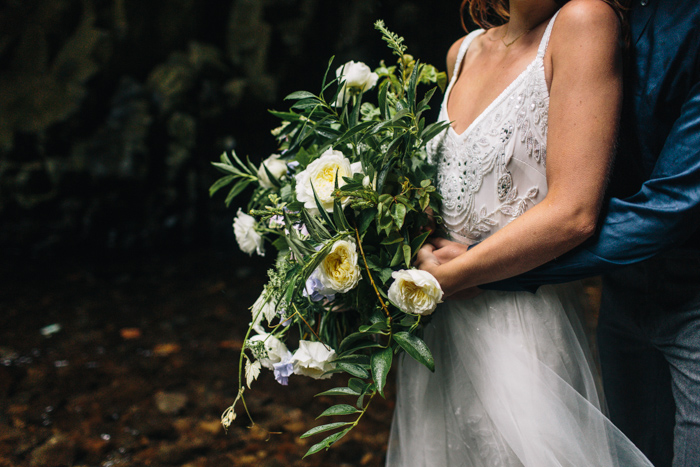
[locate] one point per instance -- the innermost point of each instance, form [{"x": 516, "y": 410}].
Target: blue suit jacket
[{"x": 655, "y": 189}]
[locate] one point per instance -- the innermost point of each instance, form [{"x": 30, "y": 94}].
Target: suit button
[{"x": 644, "y": 2}]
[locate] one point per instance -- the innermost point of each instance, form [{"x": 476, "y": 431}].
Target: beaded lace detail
[{"x": 496, "y": 169}]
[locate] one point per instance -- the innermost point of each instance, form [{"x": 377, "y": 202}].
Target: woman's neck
[{"x": 526, "y": 15}]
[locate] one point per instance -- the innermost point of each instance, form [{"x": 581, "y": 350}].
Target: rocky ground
[{"x": 131, "y": 362}]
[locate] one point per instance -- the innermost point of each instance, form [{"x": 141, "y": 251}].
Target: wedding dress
[{"x": 513, "y": 382}]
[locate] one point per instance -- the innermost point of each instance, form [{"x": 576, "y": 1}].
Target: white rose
[
  {"x": 313, "y": 359},
  {"x": 354, "y": 77},
  {"x": 248, "y": 239},
  {"x": 339, "y": 272},
  {"x": 277, "y": 168},
  {"x": 263, "y": 308},
  {"x": 415, "y": 291},
  {"x": 322, "y": 173},
  {"x": 276, "y": 350}
]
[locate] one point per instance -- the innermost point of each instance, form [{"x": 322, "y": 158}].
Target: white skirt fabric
[{"x": 513, "y": 386}]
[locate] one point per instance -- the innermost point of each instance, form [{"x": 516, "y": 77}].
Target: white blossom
[
  {"x": 414, "y": 291},
  {"x": 313, "y": 359},
  {"x": 248, "y": 239}
]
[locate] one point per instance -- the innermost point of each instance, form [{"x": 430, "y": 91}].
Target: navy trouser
[{"x": 649, "y": 342}]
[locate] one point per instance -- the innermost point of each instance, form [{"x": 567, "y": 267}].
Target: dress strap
[
  {"x": 545, "y": 38},
  {"x": 463, "y": 50}
]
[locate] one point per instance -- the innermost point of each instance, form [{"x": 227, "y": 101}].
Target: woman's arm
[{"x": 584, "y": 109}]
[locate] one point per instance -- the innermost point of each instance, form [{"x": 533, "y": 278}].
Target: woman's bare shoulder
[{"x": 587, "y": 19}]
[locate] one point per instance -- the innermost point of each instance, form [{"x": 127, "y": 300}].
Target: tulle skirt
[{"x": 513, "y": 386}]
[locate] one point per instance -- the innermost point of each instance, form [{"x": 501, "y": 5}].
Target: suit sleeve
[{"x": 664, "y": 214}]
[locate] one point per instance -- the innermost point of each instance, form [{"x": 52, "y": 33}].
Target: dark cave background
[
  {"x": 123, "y": 296},
  {"x": 112, "y": 110}
]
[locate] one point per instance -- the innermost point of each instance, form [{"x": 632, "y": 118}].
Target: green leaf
[
  {"x": 325, "y": 75},
  {"x": 322, "y": 210},
  {"x": 383, "y": 108},
  {"x": 340, "y": 409},
  {"x": 406, "y": 254},
  {"x": 305, "y": 104},
  {"x": 236, "y": 190},
  {"x": 314, "y": 226},
  {"x": 326, "y": 443},
  {"x": 385, "y": 275},
  {"x": 412, "y": 84},
  {"x": 354, "y": 370},
  {"x": 442, "y": 80},
  {"x": 417, "y": 242},
  {"x": 433, "y": 130},
  {"x": 339, "y": 392},
  {"x": 341, "y": 222},
  {"x": 360, "y": 127},
  {"x": 398, "y": 257},
  {"x": 365, "y": 218},
  {"x": 423, "y": 105},
  {"x": 227, "y": 168},
  {"x": 381, "y": 364},
  {"x": 220, "y": 183},
  {"x": 362, "y": 360},
  {"x": 375, "y": 328},
  {"x": 391, "y": 239},
  {"x": 398, "y": 213},
  {"x": 300, "y": 95},
  {"x": 358, "y": 385},
  {"x": 416, "y": 348},
  {"x": 286, "y": 116},
  {"x": 323, "y": 428},
  {"x": 270, "y": 177}
]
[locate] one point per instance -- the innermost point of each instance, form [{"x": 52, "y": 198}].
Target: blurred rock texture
[{"x": 111, "y": 110}]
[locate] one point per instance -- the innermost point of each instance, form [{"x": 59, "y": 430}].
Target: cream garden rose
[
  {"x": 249, "y": 241},
  {"x": 356, "y": 77},
  {"x": 339, "y": 272},
  {"x": 276, "y": 166},
  {"x": 414, "y": 291},
  {"x": 322, "y": 174},
  {"x": 313, "y": 359}
]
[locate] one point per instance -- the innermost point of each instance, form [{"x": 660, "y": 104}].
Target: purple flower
[
  {"x": 301, "y": 228},
  {"x": 283, "y": 370},
  {"x": 276, "y": 221},
  {"x": 314, "y": 289},
  {"x": 291, "y": 167}
]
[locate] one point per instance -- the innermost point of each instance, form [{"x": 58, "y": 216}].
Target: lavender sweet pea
[{"x": 283, "y": 370}]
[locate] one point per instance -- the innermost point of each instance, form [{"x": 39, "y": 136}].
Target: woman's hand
[
  {"x": 426, "y": 260},
  {"x": 446, "y": 250},
  {"x": 439, "y": 251}
]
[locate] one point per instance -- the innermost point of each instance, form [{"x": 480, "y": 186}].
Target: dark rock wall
[{"x": 111, "y": 110}]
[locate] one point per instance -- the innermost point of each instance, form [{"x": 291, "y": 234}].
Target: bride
[{"x": 533, "y": 105}]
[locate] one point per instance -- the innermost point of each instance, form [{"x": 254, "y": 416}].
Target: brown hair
[{"x": 490, "y": 13}]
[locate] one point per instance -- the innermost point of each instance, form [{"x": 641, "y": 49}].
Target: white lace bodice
[{"x": 493, "y": 171}]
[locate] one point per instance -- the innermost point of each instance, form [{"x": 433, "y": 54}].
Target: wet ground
[{"x": 131, "y": 362}]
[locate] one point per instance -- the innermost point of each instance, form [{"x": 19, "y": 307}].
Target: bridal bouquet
[{"x": 346, "y": 205}]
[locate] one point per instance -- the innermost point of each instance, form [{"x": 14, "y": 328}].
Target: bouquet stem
[{"x": 371, "y": 279}]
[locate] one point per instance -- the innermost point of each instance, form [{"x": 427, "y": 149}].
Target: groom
[{"x": 649, "y": 328}]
